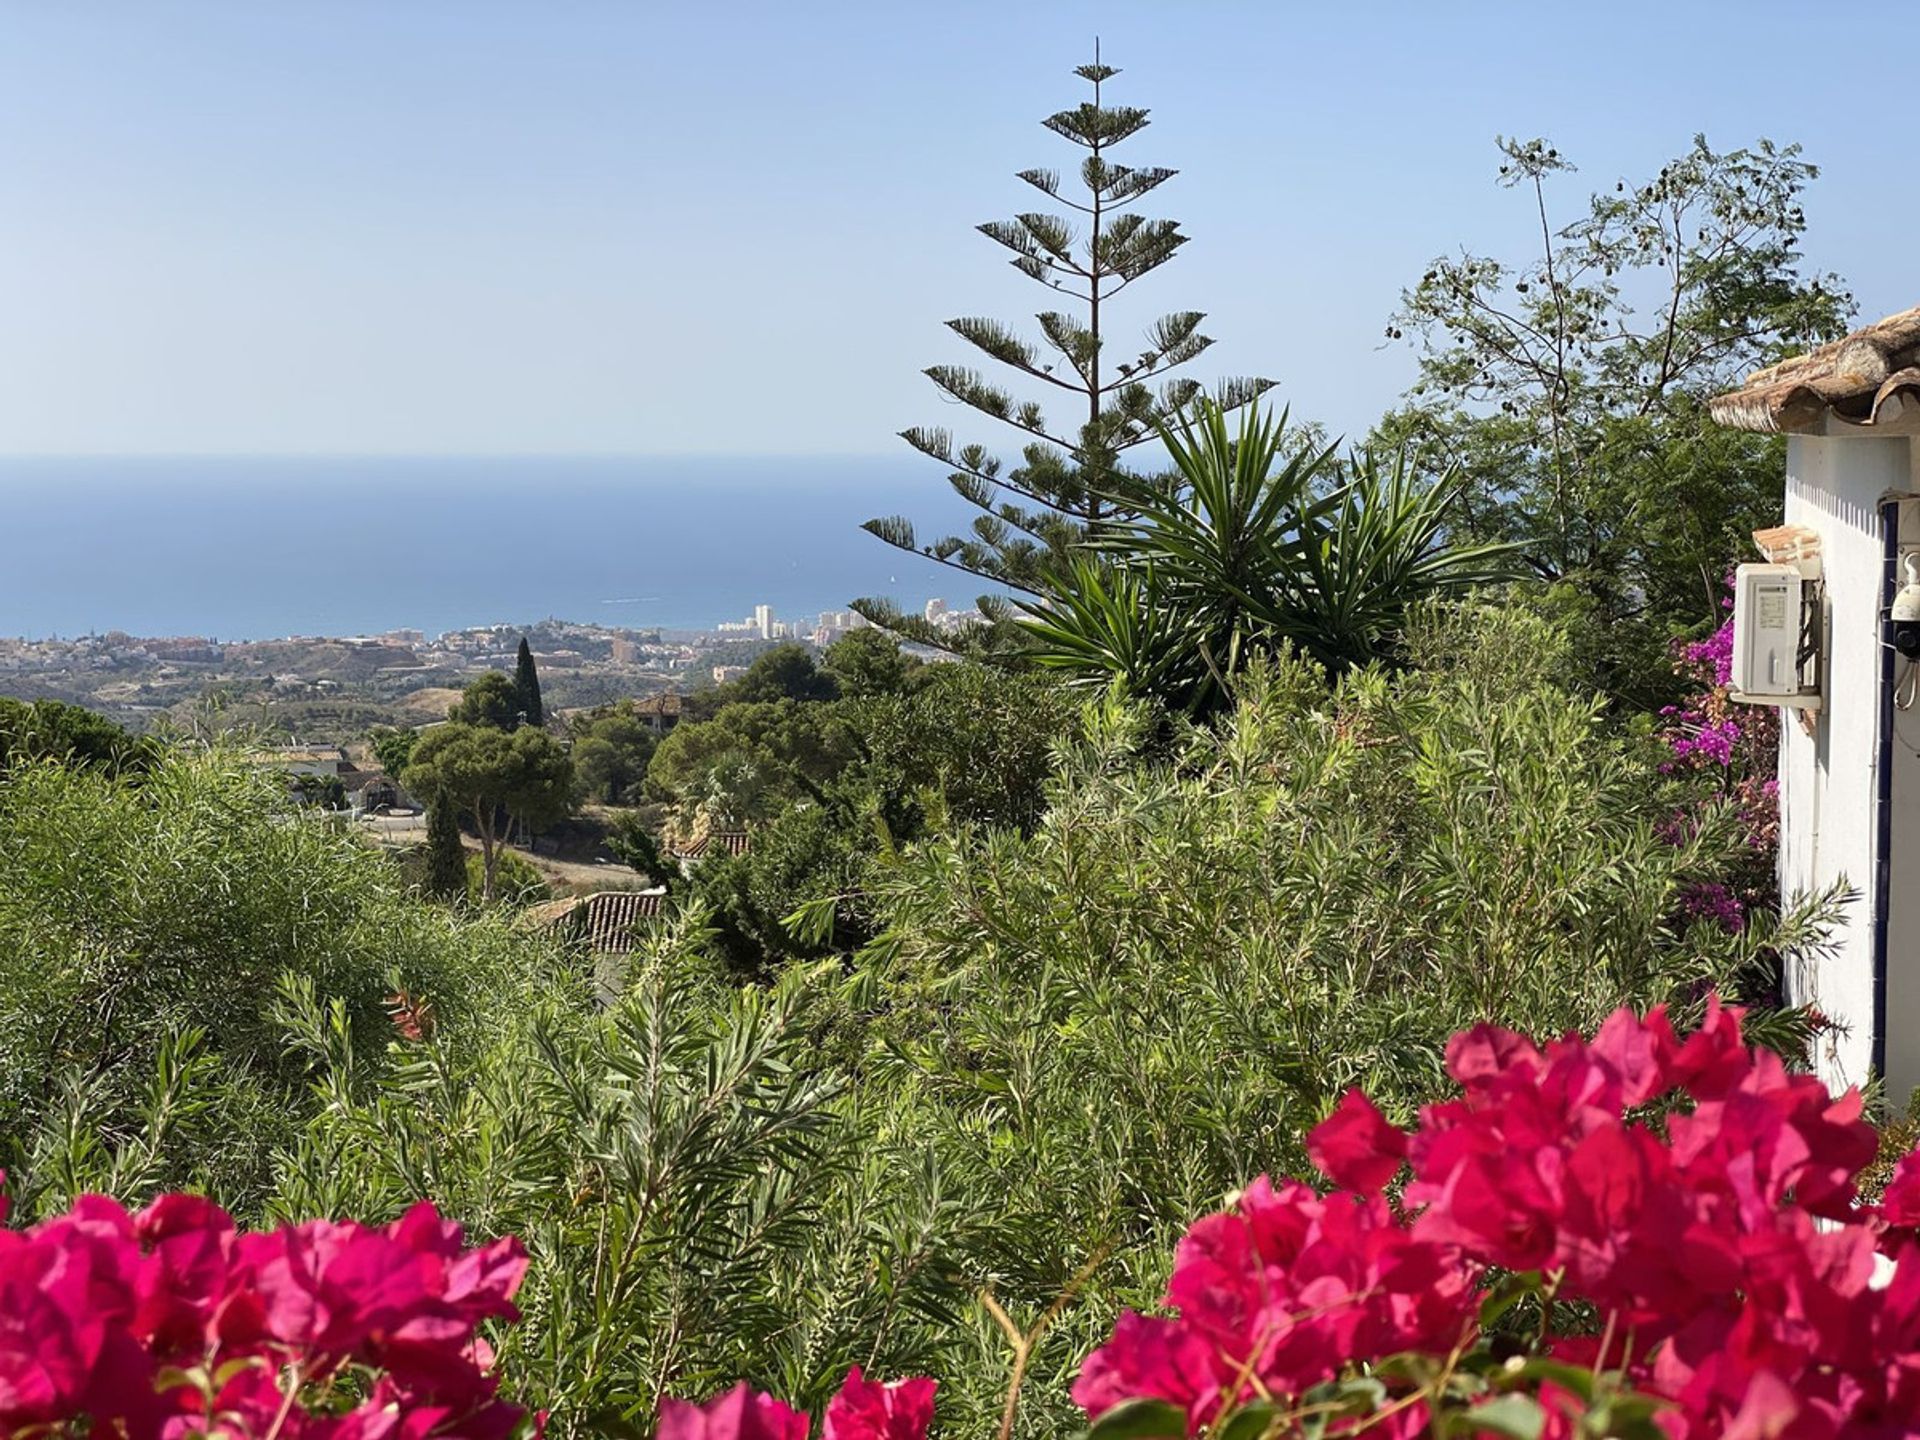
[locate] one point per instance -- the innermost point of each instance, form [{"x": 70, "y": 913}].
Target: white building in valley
[{"x": 1850, "y": 748}]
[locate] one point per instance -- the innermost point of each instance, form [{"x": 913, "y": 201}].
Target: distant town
[{"x": 307, "y": 684}]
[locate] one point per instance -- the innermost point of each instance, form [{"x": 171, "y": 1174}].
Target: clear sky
[{"x": 455, "y": 226}]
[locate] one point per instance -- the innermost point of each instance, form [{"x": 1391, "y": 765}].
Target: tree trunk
[{"x": 483, "y": 822}]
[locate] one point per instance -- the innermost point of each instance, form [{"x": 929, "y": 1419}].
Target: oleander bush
[
  {"x": 146, "y": 919},
  {"x": 1638, "y": 1236},
  {"x": 1059, "y": 1045}
]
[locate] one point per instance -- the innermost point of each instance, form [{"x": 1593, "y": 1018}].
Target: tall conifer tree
[
  {"x": 446, "y": 857},
  {"x": 1071, "y": 476},
  {"x": 526, "y": 685}
]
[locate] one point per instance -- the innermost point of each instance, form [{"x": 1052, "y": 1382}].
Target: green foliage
[
  {"x": 393, "y": 748},
  {"x": 491, "y": 702},
  {"x": 1570, "y": 388},
  {"x": 1058, "y": 1046},
  {"x": 786, "y": 672},
  {"x": 751, "y": 760},
  {"x": 1117, "y": 1019},
  {"x": 868, "y": 662},
  {"x": 144, "y": 925},
  {"x": 700, "y": 1199},
  {"x": 526, "y": 687},
  {"x": 971, "y": 744},
  {"x": 1036, "y": 513},
  {"x": 834, "y": 786},
  {"x": 54, "y": 730},
  {"x": 516, "y": 880},
  {"x": 635, "y": 844},
  {"x": 1251, "y": 547},
  {"x": 446, "y": 868},
  {"x": 488, "y": 773},
  {"x": 612, "y": 747}
]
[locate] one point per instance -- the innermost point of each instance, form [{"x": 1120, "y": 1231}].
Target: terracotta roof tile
[
  {"x": 1857, "y": 379},
  {"x": 608, "y": 921},
  {"x": 729, "y": 842}
]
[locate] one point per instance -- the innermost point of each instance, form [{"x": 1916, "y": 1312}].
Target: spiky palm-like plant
[{"x": 1253, "y": 543}]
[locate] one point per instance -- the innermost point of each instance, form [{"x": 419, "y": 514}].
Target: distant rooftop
[
  {"x": 729, "y": 842},
  {"x": 1872, "y": 377},
  {"x": 607, "y": 922}
]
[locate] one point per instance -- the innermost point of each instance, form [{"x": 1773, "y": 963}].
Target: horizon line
[{"x": 676, "y": 455}]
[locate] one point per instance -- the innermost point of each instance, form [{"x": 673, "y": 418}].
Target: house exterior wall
[
  {"x": 1829, "y": 780},
  {"x": 1903, "y": 898}
]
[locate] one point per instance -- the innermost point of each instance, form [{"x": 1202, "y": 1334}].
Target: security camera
[{"x": 1905, "y": 615}]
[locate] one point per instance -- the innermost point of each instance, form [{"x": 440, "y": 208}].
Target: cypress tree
[
  {"x": 1071, "y": 476},
  {"x": 446, "y": 856},
  {"x": 526, "y": 686}
]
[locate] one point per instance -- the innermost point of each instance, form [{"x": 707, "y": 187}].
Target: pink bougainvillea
[
  {"x": 169, "y": 1324},
  {"x": 863, "y": 1410},
  {"x": 1732, "y": 749},
  {"x": 1641, "y": 1235},
  {"x": 1680, "y": 1214}
]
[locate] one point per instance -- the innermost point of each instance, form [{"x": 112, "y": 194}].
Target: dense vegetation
[
  {"x": 1091, "y": 994},
  {"x": 1296, "y": 765}
]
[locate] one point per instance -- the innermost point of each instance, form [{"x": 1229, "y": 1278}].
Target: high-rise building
[
  {"x": 763, "y": 621},
  {"x": 935, "y": 609},
  {"x": 625, "y": 652}
]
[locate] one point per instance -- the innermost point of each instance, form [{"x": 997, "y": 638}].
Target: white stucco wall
[{"x": 1829, "y": 780}]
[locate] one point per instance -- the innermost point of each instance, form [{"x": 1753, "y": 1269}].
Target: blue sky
[{"x": 558, "y": 226}]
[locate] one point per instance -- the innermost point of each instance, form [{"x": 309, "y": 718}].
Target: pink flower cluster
[
  {"x": 862, "y": 1410},
  {"x": 169, "y": 1324},
  {"x": 1683, "y": 1212},
  {"x": 1693, "y": 735},
  {"x": 1713, "y": 655},
  {"x": 1732, "y": 749}
]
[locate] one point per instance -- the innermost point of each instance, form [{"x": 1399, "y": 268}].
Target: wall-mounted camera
[{"x": 1904, "y": 618}]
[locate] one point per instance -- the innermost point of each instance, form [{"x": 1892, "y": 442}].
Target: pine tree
[
  {"x": 446, "y": 856},
  {"x": 526, "y": 686},
  {"x": 1071, "y": 476}
]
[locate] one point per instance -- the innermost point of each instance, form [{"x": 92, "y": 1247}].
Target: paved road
[{"x": 398, "y": 829}]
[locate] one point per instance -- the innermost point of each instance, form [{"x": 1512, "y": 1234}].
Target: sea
[{"x": 242, "y": 549}]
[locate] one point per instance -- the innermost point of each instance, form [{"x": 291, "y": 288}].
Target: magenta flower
[{"x": 738, "y": 1414}]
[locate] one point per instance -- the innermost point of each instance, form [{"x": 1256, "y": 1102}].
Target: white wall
[{"x": 1828, "y": 781}]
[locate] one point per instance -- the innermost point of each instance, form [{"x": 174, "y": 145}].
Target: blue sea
[{"x": 241, "y": 549}]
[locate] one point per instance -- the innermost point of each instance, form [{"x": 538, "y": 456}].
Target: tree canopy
[
  {"x": 868, "y": 662},
  {"x": 55, "y": 730},
  {"x": 487, "y": 771},
  {"x": 526, "y": 685},
  {"x": 1568, "y": 384},
  {"x": 611, "y": 749},
  {"x": 491, "y": 701}
]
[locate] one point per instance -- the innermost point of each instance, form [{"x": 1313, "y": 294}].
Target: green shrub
[
  {"x": 145, "y": 925},
  {"x": 517, "y": 881},
  {"x": 1060, "y": 1044}
]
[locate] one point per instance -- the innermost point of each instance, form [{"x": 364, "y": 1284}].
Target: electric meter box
[{"x": 1768, "y": 609}]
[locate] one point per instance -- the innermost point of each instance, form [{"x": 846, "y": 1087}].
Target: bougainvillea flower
[
  {"x": 1355, "y": 1146},
  {"x": 867, "y": 1410},
  {"x": 738, "y": 1414}
]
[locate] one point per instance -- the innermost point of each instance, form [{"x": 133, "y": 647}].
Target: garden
[{"x": 1305, "y": 964}]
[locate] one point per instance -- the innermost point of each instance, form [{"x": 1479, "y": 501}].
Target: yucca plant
[{"x": 1255, "y": 542}]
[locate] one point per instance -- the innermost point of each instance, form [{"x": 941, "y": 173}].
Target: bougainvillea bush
[
  {"x": 1731, "y": 749},
  {"x": 1634, "y": 1236},
  {"x": 170, "y": 1324},
  {"x": 1638, "y": 1235}
]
